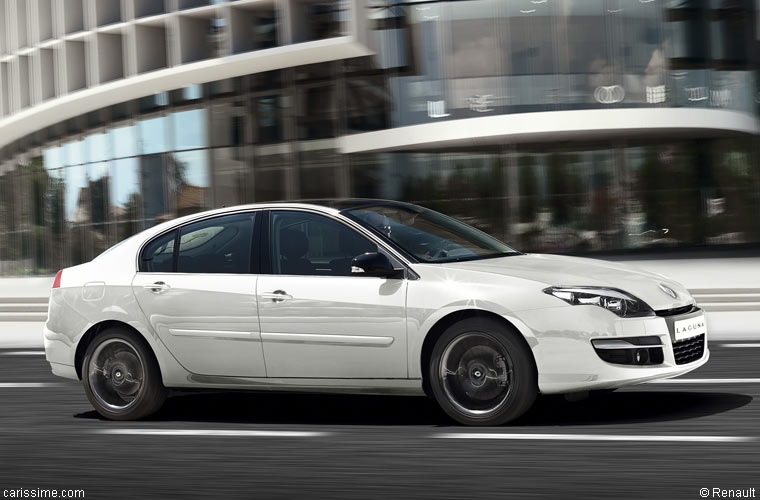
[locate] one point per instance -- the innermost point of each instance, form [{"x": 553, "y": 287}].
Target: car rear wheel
[
  {"x": 121, "y": 377},
  {"x": 482, "y": 373}
]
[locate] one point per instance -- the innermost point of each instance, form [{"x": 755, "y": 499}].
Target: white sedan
[{"x": 363, "y": 296}]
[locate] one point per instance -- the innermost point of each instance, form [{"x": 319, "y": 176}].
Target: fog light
[{"x": 642, "y": 356}]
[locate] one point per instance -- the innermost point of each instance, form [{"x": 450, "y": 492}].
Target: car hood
[{"x": 560, "y": 270}]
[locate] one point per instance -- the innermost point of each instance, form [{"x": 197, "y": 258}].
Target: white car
[{"x": 363, "y": 296}]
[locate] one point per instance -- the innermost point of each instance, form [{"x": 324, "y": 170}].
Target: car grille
[
  {"x": 678, "y": 310},
  {"x": 688, "y": 350}
]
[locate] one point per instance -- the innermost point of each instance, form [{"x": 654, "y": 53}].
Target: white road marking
[
  {"x": 29, "y": 385},
  {"x": 706, "y": 381},
  {"x": 738, "y": 345},
  {"x": 22, "y": 353},
  {"x": 594, "y": 437},
  {"x": 210, "y": 432}
]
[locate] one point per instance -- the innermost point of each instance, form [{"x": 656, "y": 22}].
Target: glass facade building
[{"x": 557, "y": 125}]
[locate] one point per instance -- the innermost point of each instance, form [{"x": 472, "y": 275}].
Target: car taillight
[{"x": 57, "y": 280}]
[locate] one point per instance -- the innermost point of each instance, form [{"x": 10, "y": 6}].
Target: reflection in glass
[
  {"x": 686, "y": 30},
  {"x": 77, "y": 199},
  {"x": 6, "y": 223},
  {"x": 189, "y": 129},
  {"x": 229, "y": 176},
  {"x": 98, "y": 192},
  {"x": 368, "y": 103},
  {"x": 318, "y": 182},
  {"x": 639, "y": 48},
  {"x": 191, "y": 177},
  {"x": 731, "y": 32},
  {"x": 690, "y": 88},
  {"x": 531, "y": 62},
  {"x": 97, "y": 147},
  {"x": 730, "y": 201},
  {"x": 732, "y": 90},
  {"x": 16, "y": 187},
  {"x": 469, "y": 187},
  {"x": 154, "y": 183},
  {"x": 322, "y": 19},
  {"x": 73, "y": 153},
  {"x": 269, "y": 184},
  {"x": 10, "y": 246},
  {"x": 125, "y": 197},
  {"x": 53, "y": 157},
  {"x": 38, "y": 194},
  {"x": 423, "y": 89},
  {"x": 269, "y": 123},
  {"x": 658, "y": 211},
  {"x": 474, "y": 62},
  {"x": 228, "y": 123},
  {"x": 474, "y": 39},
  {"x": 124, "y": 141},
  {"x": 78, "y": 212},
  {"x": 268, "y": 80},
  {"x": 316, "y": 112},
  {"x": 153, "y": 102},
  {"x": 56, "y": 218},
  {"x": 192, "y": 93},
  {"x": 369, "y": 176},
  {"x": 568, "y": 201},
  {"x": 154, "y": 135}
]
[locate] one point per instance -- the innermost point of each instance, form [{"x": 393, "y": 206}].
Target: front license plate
[{"x": 691, "y": 327}]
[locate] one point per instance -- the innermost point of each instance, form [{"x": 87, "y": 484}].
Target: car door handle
[
  {"x": 276, "y": 296},
  {"x": 157, "y": 287}
]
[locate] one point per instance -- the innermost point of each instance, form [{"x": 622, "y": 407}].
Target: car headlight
[{"x": 617, "y": 301}]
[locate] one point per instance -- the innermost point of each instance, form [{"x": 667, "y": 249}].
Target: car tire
[
  {"x": 121, "y": 376},
  {"x": 482, "y": 372}
]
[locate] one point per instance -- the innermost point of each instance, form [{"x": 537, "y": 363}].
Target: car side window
[
  {"x": 158, "y": 255},
  {"x": 308, "y": 244},
  {"x": 218, "y": 245}
]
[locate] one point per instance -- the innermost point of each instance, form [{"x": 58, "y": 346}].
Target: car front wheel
[
  {"x": 121, "y": 377},
  {"x": 482, "y": 373}
]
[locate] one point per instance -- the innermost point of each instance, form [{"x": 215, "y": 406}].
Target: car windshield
[{"x": 427, "y": 235}]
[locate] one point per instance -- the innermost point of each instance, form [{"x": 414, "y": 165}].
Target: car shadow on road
[
  {"x": 322, "y": 409},
  {"x": 632, "y": 407}
]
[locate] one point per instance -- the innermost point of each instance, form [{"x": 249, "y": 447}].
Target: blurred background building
[{"x": 581, "y": 126}]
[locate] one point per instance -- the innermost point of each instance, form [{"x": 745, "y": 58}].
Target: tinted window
[
  {"x": 158, "y": 256},
  {"x": 219, "y": 245},
  {"x": 309, "y": 244}
]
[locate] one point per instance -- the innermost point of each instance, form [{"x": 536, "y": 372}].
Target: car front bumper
[{"x": 567, "y": 361}]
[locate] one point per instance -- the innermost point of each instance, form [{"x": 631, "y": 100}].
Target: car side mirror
[{"x": 374, "y": 264}]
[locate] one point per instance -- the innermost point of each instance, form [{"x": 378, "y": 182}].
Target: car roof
[
  {"x": 342, "y": 204},
  {"x": 328, "y": 205}
]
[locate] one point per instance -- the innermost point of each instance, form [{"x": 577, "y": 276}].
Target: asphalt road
[{"x": 657, "y": 441}]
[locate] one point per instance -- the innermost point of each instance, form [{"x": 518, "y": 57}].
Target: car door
[
  {"x": 198, "y": 292},
  {"x": 317, "y": 319}
]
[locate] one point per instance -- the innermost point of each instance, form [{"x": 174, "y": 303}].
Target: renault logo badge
[{"x": 668, "y": 290}]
